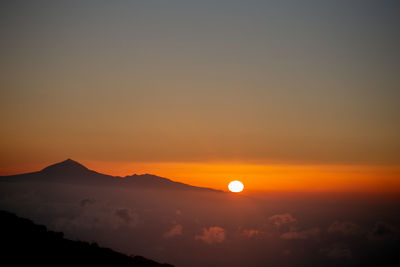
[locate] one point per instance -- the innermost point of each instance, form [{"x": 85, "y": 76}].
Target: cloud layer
[{"x": 211, "y": 235}]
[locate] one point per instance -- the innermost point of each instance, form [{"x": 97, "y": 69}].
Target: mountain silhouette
[
  {"x": 24, "y": 243},
  {"x": 66, "y": 167},
  {"x": 72, "y": 172}
]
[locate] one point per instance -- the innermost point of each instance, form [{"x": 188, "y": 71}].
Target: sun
[{"x": 236, "y": 186}]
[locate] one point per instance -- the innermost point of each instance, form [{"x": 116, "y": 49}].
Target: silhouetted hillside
[
  {"x": 24, "y": 243},
  {"x": 72, "y": 172}
]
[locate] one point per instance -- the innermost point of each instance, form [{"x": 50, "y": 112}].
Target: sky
[{"x": 280, "y": 94}]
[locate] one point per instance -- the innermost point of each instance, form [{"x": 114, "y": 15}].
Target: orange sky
[
  {"x": 205, "y": 92},
  {"x": 259, "y": 177}
]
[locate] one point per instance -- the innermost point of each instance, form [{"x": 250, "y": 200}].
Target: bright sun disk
[{"x": 236, "y": 186}]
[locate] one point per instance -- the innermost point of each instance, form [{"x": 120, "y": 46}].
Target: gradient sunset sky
[{"x": 283, "y": 95}]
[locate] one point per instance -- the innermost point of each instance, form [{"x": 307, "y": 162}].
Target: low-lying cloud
[
  {"x": 344, "y": 228},
  {"x": 280, "y": 219},
  {"x": 126, "y": 215},
  {"x": 174, "y": 231},
  {"x": 338, "y": 251},
  {"x": 86, "y": 201},
  {"x": 382, "y": 231},
  {"x": 306, "y": 234},
  {"x": 211, "y": 235},
  {"x": 250, "y": 233}
]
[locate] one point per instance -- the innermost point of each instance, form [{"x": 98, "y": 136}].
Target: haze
[{"x": 161, "y": 86}]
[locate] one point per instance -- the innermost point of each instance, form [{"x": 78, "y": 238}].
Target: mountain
[
  {"x": 24, "y": 243},
  {"x": 72, "y": 172},
  {"x": 66, "y": 167}
]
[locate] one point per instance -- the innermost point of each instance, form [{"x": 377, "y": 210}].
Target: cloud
[
  {"x": 250, "y": 233},
  {"x": 280, "y": 219},
  {"x": 126, "y": 215},
  {"x": 211, "y": 235},
  {"x": 338, "y": 251},
  {"x": 86, "y": 201},
  {"x": 344, "y": 228},
  {"x": 88, "y": 221},
  {"x": 381, "y": 231},
  {"x": 97, "y": 217},
  {"x": 301, "y": 234},
  {"x": 174, "y": 231}
]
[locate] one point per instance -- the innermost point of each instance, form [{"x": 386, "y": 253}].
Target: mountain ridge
[
  {"x": 26, "y": 243},
  {"x": 70, "y": 171}
]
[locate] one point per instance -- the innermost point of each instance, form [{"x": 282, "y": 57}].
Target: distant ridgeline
[
  {"x": 72, "y": 172},
  {"x": 23, "y": 243}
]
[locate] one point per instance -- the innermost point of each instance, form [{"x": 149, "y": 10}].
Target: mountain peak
[
  {"x": 67, "y": 166},
  {"x": 70, "y": 161},
  {"x": 72, "y": 172}
]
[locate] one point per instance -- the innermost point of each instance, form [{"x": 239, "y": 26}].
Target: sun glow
[
  {"x": 236, "y": 186},
  {"x": 281, "y": 177}
]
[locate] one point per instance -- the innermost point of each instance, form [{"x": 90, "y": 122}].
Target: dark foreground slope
[{"x": 24, "y": 243}]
